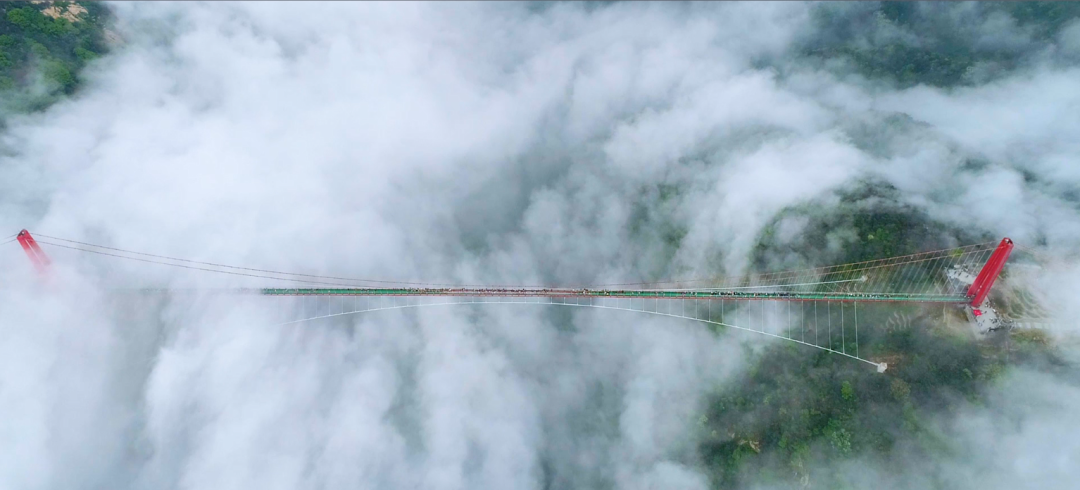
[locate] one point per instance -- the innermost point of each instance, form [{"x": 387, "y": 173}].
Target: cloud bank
[{"x": 475, "y": 143}]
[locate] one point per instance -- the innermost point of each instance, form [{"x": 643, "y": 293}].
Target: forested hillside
[
  {"x": 795, "y": 416},
  {"x": 44, "y": 47},
  {"x": 937, "y": 44}
]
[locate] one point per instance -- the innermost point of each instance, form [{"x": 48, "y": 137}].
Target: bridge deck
[{"x": 617, "y": 293}]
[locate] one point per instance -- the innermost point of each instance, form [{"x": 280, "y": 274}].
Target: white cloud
[{"x": 439, "y": 142}]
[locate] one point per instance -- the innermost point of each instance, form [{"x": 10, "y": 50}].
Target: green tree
[{"x": 846, "y": 391}]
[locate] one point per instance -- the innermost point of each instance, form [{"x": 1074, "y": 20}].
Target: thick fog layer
[{"x": 477, "y": 144}]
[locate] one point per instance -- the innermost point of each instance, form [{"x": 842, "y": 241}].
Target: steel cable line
[
  {"x": 191, "y": 267},
  {"x": 216, "y": 265},
  {"x": 265, "y": 271},
  {"x": 839, "y": 268},
  {"x": 774, "y": 279}
]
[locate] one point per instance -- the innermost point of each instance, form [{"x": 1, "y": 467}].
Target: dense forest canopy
[
  {"x": 937, "y": 44},
  {"x": 44, "y": 46}
]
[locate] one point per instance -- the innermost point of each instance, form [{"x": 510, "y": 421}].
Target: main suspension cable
[
  {"x": 841, "y": 273},
  {"x": 211, "y": 263},
  {"x": 192, "y": 267}
]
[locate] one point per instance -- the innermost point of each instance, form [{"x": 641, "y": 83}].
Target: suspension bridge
[{"x": 817, "y": 308}]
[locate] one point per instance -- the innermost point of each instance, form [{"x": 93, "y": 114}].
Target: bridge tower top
[{"x": 33, "y": 250}]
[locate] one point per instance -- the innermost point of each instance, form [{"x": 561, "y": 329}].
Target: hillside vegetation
[
  {"x": 797, "y": 414},
  {"x": 44, "y": 47},
  {"x": 796, "y": 411}
]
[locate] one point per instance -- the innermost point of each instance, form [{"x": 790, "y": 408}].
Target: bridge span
[{"x": 816, "y": 307}]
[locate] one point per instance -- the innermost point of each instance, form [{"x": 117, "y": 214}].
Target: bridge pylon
[
  {"x": 982, "y": 315},
  {"x": 33, "y": 251}
]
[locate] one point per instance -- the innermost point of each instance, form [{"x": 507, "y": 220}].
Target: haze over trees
[{"x": 789, "y": 417}]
